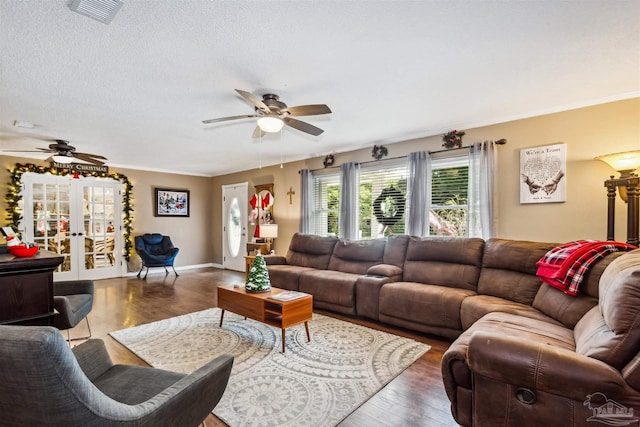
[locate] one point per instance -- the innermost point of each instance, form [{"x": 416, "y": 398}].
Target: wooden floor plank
[{"x": 415, "y": 398}]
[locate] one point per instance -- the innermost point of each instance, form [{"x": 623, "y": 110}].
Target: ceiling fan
[
  {"x": 273, "y": 114},
  {"x": 62, "y": 152}
]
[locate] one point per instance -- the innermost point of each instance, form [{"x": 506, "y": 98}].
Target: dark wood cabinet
[{"x": 26, "y": 288}]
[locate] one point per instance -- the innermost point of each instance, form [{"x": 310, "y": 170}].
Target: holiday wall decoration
[{"x": 258, "y": 279}]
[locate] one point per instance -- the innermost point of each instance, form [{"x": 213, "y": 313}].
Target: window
[
  {"x": 449, "y": 197},
  {"x": 376, "y": 182},
  {"x": 326, "y": 198},
  {"x": 383, "y": 192}
]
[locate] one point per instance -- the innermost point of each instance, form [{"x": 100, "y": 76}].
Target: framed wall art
[
  {"x": 542, "y": 174},
  {"x": 172, "y": 202}
]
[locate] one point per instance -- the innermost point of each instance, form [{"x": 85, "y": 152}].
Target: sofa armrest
[
  {"x": 543, "y": 367},
  {"x": 368, "y": 295},
  {"x": 93, "y": 358},
  {"x": 275, "y": 260},
  {"x": 73, "y": 287},
  {"x": 385, "y": 270}
]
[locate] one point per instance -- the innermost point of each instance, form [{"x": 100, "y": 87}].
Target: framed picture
[
  {"x": 172, "y": 202},
  {"x": 542, "y": 174}
]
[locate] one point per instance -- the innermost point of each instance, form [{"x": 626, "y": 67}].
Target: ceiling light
[
  {"x": 625, "y": 162},
  {"x": 100, "y": 10},
  {"x": 270, "y": 123},
  {"x": 62, "y": 159}
]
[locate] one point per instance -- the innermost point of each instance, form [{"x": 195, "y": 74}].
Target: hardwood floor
[{"x": 414, "y": 398}]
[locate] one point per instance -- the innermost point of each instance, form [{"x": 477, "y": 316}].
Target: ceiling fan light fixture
[
  {"x": 270, "y": 124},
  {"x": 62, "y": 159}
]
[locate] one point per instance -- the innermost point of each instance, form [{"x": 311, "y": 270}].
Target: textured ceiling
[{"x": 136, "y": 90}]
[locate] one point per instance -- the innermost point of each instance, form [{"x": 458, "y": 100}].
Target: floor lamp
[{"x": 628, "y": 185}]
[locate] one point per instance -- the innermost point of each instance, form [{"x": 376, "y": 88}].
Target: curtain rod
[
  {"x": 502, "y": 141},
  {"x": 360, "y": 163}
]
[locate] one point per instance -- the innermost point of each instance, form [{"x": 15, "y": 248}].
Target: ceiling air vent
[{"x": 100, "y": 10}]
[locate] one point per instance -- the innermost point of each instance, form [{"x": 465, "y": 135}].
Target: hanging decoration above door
[{"x": 14, "y": 196}]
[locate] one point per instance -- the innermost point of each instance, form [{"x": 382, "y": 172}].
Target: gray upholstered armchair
[
  {"x": 43, "y": 384},
  {"x": 73, "y": 300}
]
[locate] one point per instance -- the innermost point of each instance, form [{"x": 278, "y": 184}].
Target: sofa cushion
[
  {"x": 509, "y": 269},
  {"x": 286, "y": 276},
  {"x": 442, "y": 261},
  {"x": 395, "y": 251},
  {"x": 610, "y": 331},
  {"x": 332, "y": 290},
  {"x": 569, "y": 309},
  {"x": 564, "y": 308},
  {"x": 476, "y": 306},
  {"x": 307, "y": 250},
  {"x": 423, "y": 304},
  {"x": 356, "y": 256}
]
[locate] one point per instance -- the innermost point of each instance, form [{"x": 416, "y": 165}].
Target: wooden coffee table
[{"x": 260, "y": 307}]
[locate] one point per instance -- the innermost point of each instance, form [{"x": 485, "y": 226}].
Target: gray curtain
[
  {"x": 349, "y": 200},
  {"x": 306, "y": 201},
  {"x": 418, "y": 183},
  {"x": 483, "y": 164}
]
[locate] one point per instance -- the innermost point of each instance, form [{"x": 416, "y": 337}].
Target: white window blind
[
  {"x": 326, "y": 197},
  {"x": 449, "y": 197}
]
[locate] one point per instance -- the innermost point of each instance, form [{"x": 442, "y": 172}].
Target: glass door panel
[
  {"x": 234, "y": 227},
  {"x": 101, "y": 219},
  {"x": 49, "y": 220}
]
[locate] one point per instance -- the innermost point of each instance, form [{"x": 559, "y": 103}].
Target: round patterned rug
[{"x": 315, "y": 383}]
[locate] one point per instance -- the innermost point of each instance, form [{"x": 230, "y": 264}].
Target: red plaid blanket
[{"x": 565, "y": 266}]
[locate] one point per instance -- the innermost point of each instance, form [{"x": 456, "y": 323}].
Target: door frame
[{"x": 75, "y": 233}]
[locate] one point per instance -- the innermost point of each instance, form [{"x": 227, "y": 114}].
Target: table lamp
[{"x": 268, "y": 232}]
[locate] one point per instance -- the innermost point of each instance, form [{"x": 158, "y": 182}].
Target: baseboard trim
[{"x": 160, "y": 270}]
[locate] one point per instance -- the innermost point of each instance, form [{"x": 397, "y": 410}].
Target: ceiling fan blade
[
  {"x": 254, "y": 101},
  {"x": 222, "y": 119},
  {"x": 39, "y": 150},
  {"x": 257, "y": 132},
  {"x": 309, "y": 110},
  {"x": 302, "y": 126},
  {"x": 89, "y": 158},
  {"x": 95, "y": 156}
]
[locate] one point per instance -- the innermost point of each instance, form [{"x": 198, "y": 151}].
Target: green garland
[{"x": 14, "y": 214}]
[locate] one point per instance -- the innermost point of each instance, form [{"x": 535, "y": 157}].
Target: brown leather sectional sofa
[{"x": 524, "y": 353}]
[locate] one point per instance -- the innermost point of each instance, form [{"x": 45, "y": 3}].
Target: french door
[
  {"x": 80, "y": 219},
  {"x": 234, "y": 225}
]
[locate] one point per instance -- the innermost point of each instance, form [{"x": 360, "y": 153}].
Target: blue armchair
[{"x": 155, "y": 250}]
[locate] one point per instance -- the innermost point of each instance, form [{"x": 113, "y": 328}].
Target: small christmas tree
[{"x": 258, "y": 280}]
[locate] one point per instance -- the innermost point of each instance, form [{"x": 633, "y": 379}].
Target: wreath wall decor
[
  {"x": 14, "y": 197},
  {"x": 329, "y": 161},
  {"x": 453, "y": 139},
  {"x": 379, "y": 151},
  {"x": 394, "y": 203}
]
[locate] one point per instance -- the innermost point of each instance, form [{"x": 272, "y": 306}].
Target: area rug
[{"x": 316, "y": 383}]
